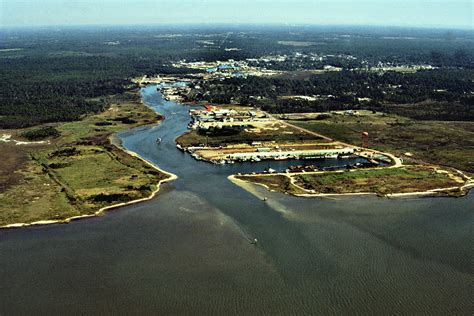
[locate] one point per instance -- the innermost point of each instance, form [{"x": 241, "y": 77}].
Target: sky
[{"x": 408, "y": 13}]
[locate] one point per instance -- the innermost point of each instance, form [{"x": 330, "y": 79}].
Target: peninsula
[{"x": 56, "y": 173}]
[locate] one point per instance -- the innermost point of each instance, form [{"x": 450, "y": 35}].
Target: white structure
[{"x": 321, "y": 153}]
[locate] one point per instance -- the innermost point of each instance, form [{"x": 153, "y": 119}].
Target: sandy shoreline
[
  {"x": 114, "y": 141},
  {"x": 171, "y": 177},
  {"x": 444, "y": 192}
]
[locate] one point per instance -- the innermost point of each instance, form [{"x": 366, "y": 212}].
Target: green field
[
  {"x": 79, "y": 171},
  {"x": 380, "y": 181},
  {"x": 193, "y": 138},
  {"x": 442, "y": 143}
]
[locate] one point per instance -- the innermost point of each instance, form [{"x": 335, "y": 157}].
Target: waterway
[{"x": 188, "y": 250}]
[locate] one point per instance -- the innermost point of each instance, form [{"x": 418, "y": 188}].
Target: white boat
[
  {"x": 196, "y": 156},
  {"x": 158, "y": 140}
]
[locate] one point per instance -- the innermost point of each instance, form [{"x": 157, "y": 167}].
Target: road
[{"x": 397, "y": 162}]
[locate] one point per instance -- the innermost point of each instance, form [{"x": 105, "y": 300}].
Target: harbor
[
  {"x": 228, "y": 134},
  {"x": 173, "y": 252}
]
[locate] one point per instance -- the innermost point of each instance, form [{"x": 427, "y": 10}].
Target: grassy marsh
[{"x": 78, "y": 172}]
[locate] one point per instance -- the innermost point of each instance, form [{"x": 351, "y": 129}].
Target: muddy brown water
[{"x": 188, "y": 250}]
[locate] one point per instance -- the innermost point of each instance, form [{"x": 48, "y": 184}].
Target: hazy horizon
[{"x": 401, "y": 13}]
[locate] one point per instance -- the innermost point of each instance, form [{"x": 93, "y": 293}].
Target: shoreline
[
  {"x": 440, "y": 192},
  {"x": 101, "y": 211},
  {"x": 115, "y": 141}
]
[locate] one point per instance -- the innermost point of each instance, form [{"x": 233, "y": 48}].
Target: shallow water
[{"x": 188, "y": 250}]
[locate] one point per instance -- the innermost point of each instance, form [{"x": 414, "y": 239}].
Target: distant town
[{"x": 244, "y": 169}]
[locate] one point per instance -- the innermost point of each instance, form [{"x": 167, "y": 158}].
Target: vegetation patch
[
  {"x": 442, "y": 143},
  {"x": 79, "y": 172},
  {"x": 41, "y": 133},
  {"x": 380, "y": 181},
  {"x": 193, "y": 138},
  {"x": 407, "y": 179},
  {"x": 35, "y": 196},
  {"x": 13, "y": 159},
  {"x": 97, "y": 177}
]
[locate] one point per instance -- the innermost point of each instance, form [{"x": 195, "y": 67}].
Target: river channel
[{"x": 188, "y": 250}]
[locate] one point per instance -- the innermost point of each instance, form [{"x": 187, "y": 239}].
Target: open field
[
  {"x": 193, "y": 138},
  {"x": 382, "y": 181},
  {"x": 78, "y": 172},
  {"x": 442, "y": 143},
  {"x": 13, "y": 159},
  {"x": 36, "y": 196}
]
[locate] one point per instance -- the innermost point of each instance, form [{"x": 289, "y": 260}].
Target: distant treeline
[
  {"x": 435, "y": 94},
  {"x": 36, "y": 90},
  {"x": 52, "y": 75}
]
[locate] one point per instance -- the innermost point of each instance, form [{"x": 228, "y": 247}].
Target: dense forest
[
  {"x": 50, "y": 75},
  {"x": 37, "y": 90},
  {"x": 433, "y": 94}
]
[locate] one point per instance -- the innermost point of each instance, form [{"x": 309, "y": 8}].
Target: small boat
[
  {"x": 158, "y": 140},
  {"x": 264, "y": 199},
  {"x": 254, "y": 242},
  {"x": 344, "y": 156}
]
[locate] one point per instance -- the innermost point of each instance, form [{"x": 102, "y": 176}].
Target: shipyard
[{"x": 228, "y": 134}]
